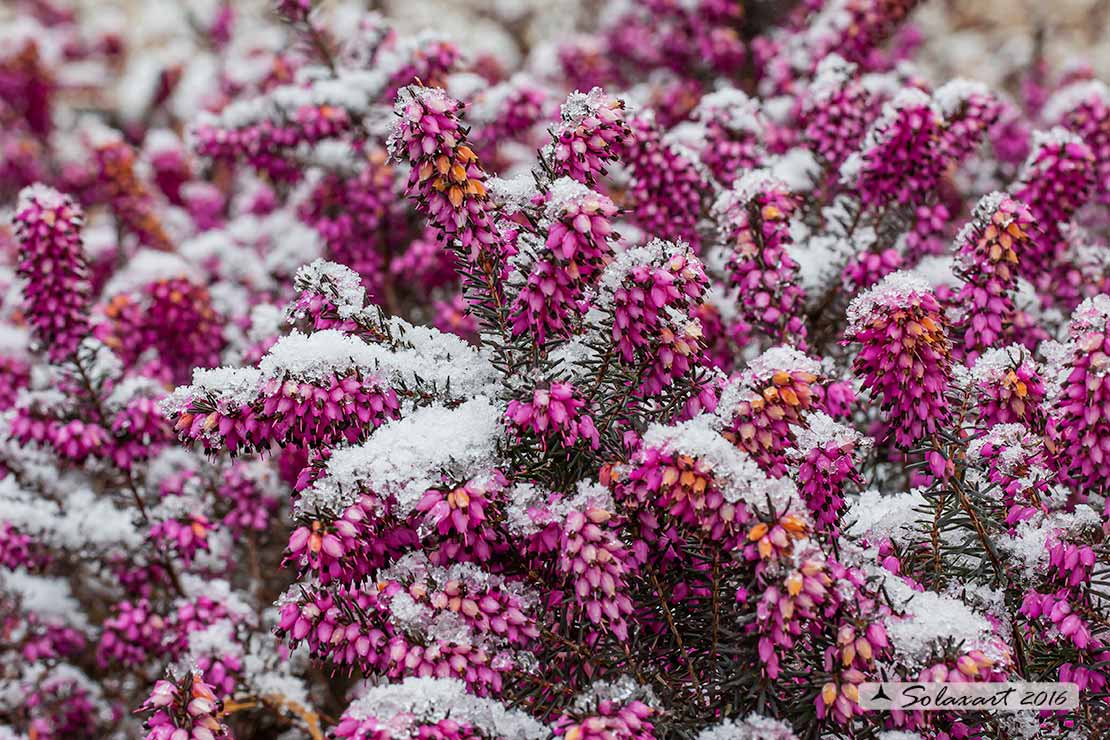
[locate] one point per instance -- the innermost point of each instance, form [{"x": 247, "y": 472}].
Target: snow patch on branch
[
  {"x": 894, "y": 291},
  {"x": 400, "y": 707},
  {"x": 737, "y": 475},
  {"x": 406, "y": 457}
]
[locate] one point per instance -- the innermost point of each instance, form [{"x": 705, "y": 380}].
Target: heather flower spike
[
  {"x": 186, "y": 708},
  {"x": 989, "y": 250},
  {"x": 754, "y": 224},
  {"x": 905, "y": 360},
  {"x": 53, "y": 264},
  {"x": 901, "y": 159}
]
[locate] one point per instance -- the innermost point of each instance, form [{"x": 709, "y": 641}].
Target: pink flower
[
  {"x": 970, "y": 110},
  {"x": 901, "y": 159},
  {"x": 1083, "y": 107},
  {"x": 667, "y": 187},
  {"x": 654, "y": 293},
  {"x": 554, "y": 412},
  {"x": 1080, "y": 427},
  {"x": 184, "y": 709},
  {"x": 834, "y": 114},
  {"x": 52, "y": 262},
  {"x": 754, "y": 225},
  {"x": 905, "y": 356},
  {"x": 1055, "y": 181},
  {"x": 132, "y": 636},
  {"x": 1010, "y": 388},
  {"x": 609, "y": 720},
  {"x": 461, "y": 517},
  {"x": 129, "y": 197},
  {"x": 174, "y": 317},
  {"x": 446, "y": 178},
  {"x": 991, "y": 248},
  {"x": 591, "y": 135},
  {"x": 734, "y": 128}
]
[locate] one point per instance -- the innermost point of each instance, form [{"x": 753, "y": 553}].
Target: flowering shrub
[{"x": 669, "y": 379}]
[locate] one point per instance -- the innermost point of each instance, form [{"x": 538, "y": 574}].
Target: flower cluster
[
  {"x": 905, "y": 356},
  {"x": 52, "y": 261},
  {"x": 581, "y": 371},
  {"x": 445, "y": 177},
  {"x": 668, "y": 182},
  {"x": 900, "y": 160},
  {"x": 1054, "y": 182},
  {"x": 836, "y": 111},
  {"x": 991, "y": 250},
  {"x": 1079, "y": 423},
  {"x": 187, "y": 709},
  {"x": 576, "y": 247},
  {"x": 754, "y": 221}
]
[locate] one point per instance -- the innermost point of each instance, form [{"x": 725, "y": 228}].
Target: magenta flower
[
  {"x": 829, "y": 455},
  {"x": 734, "y": 130},
  {"x": 508, "y": 112},
  {"x": 462, "y": 518},
  {"x": 668, "y": 184},
  {"x": 551, "y": 301},
  {"x": 348, "y": 546},
  {"x": 52, "y": 261},
  {"x": 355, "y": 216},
  {"x": 1079, "y": 427},
  {"x": 990, "y": 249},
  {"x": 754, "y": 224},
  {"x": 133, "y": 635},
  {"x": 174, "y": 316},
  {"x": 554, "y": 412},
  {"x": 610, "y": 719},
  {"x": 969, "y": 110},
  {"x": 591, "y": 135},
  {"x": 1017, "y": 462},
  {"x": 130, "y": 199},
  {"x": 905, "y": 357},
  {"x": 901, "y": 158},
  {"x": 1083, "y": 107},
  {"x": 185, "y": 535},
  {"x": 1010, "y": 388},
  {"x": 867, "y": 268},
  {"x": 446, "y": 178},
  {"x": 185, "y": 709},
  {"x": 1054, "y": 182},
  {"x": 654, "y": 291},
  {"x": 372, "y": 631},
  {"x": 20, "y": 550},
  {"x": 835, "y": 110},
  {"x": 784, "y": 608},
  {"x": 333, "y": 402},
  {"x": 766, "y": 405},
  {"x": 264, "y": 140},
  {"x": 389, "y": 401},
  {"x": 594, "y": 565}
]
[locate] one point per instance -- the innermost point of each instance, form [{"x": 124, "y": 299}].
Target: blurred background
[{"x": 987, "y": 40}]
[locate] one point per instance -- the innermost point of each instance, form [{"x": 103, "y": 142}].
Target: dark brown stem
[
  {"x": 103, "y": 420},
  {"x": 716, "y": 603},
  {"x": 320, "y": 44},
  {"x": 675, "y": 634}
]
